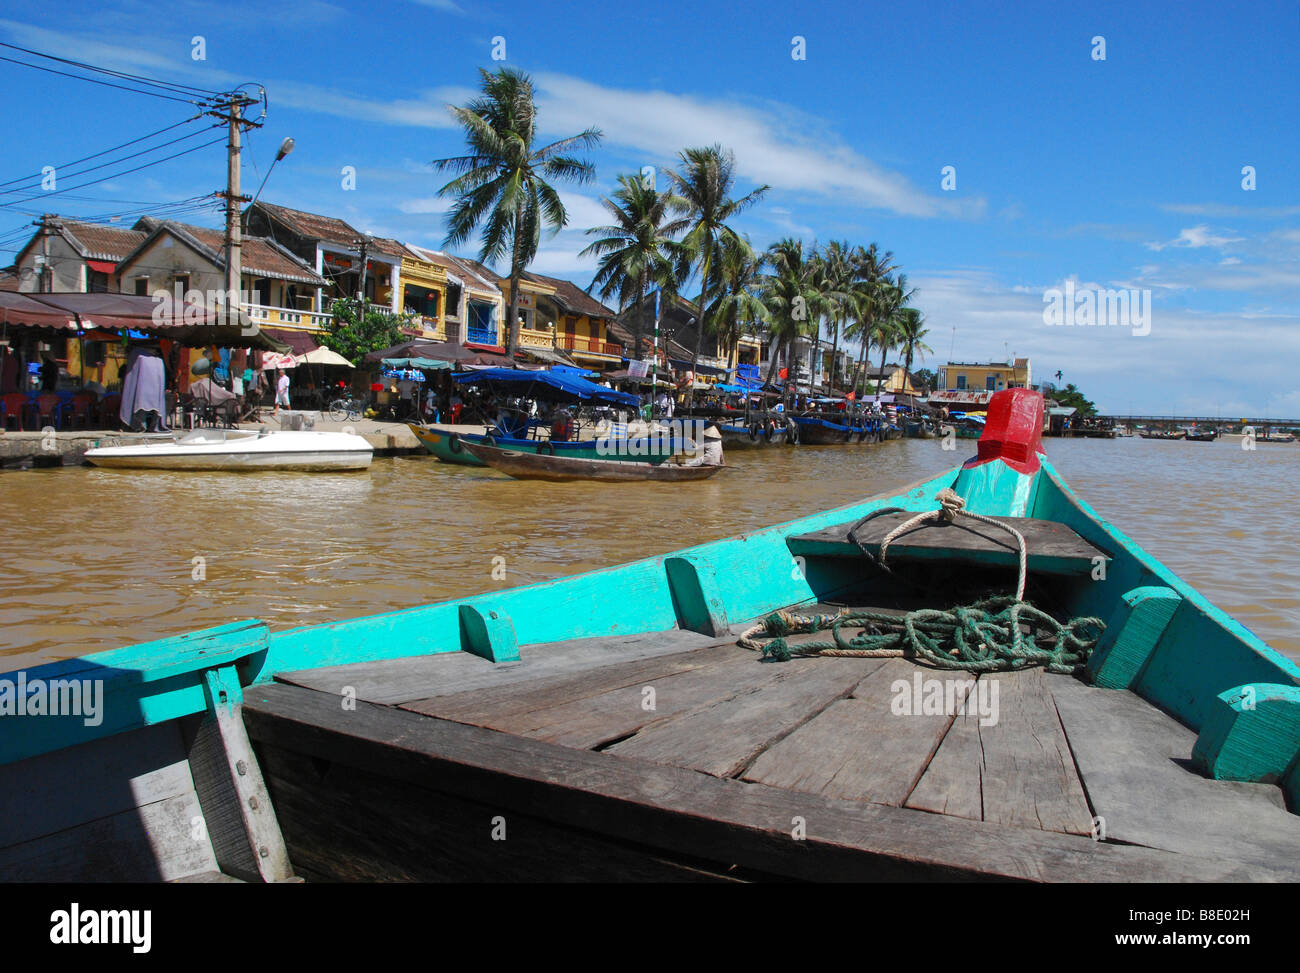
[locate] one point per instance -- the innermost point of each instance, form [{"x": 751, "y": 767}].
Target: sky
[{"x": 1131, "y": 171}]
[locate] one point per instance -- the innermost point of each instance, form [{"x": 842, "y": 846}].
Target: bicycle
[{"x": 347, "y": 407}]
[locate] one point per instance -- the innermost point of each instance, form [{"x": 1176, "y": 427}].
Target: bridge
[{"x": 1202, "y": 420}]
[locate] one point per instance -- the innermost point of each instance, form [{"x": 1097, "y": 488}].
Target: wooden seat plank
[
  {"x": 1135, "y": 763},
  {"x": 670, "y": 810},
  {"x": 953, "y": 780},
  {"x": 1052, "y": 547},
  {"x": 722, "y": 737},
  {"x": 857, "y": 749}
]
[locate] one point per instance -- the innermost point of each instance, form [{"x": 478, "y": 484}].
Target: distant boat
[
  {"x": 240, "y": 450},
  {"x": 1159, "y": 434},
  {"x": 1195, "y": 436},
  {"x": 539, "y": 466},
  {"x": 758, "y": 431}
]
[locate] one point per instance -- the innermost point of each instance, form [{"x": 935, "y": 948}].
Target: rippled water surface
[{"x": 96, "y": 559}]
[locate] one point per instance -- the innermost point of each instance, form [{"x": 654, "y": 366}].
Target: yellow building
[
  {"x": 424, "y": 297},
  {"x": 558, "y": 315},
  {"x": 985, "y": 376},
  {"x": 896, "y": 380}
]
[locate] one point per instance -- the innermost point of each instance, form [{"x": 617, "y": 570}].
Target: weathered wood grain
[
  {"x": 952, "y": 782},
  {"x": 1136, "y": 765},
  {"x": 146, "y": 844},
  {"x": 858, "y": 749},
  {"x": 423, "y": 677},
  {"x": 1052, "y": 547},
  {"x": 1028, "y": 776},
  {"x": 612, "y": 715},
  {"x": 722, "y": 737},
  {"x": 672, "y": 810}
]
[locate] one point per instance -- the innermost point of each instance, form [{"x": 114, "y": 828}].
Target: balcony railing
[
  {"x": 482, "y": 336},
  {"x": 536, "y": 338},
  {"x": 263, "y": 315},
  {"x": 419, "y": 326},
  {"x": 594, "y": 346}
]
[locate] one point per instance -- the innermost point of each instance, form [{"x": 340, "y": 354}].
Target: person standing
[
  {"x": 49, "y": 374},
  {"x": 281, "y": 392}
]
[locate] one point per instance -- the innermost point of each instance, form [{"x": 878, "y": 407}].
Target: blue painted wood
[
  {"x": 697, "y": 594},
  {"x": 141, "y": 685},
  {"x": 1251, "y": 733},
  {"x": 996, "y": 490},
  {"x": 1203, "y": 651},
  {"x": 1131, "y": 636},
  {"x": 488, "y": 633}
]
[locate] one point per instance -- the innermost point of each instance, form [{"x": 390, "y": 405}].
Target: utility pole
[
  {"x": 47, "y": 275},
  {"x": 231, "y": 110},
  {"x": 363, "y": 246}
]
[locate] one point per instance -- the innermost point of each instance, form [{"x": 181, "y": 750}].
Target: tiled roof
[
  {"x": 572, "y": 298},
  {"x": 98, "y": 242},
  {"x": 330, "y": 229},
  {"x": 258, "y": 255},
  {"x": 478, "y": 275}
]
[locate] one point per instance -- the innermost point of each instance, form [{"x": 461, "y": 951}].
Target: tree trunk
[
  {"x": 516, "y": 275},
  {"x": 835, "y": 350},
  {"x": 636, "y": 319},
  {"x": 880, "y": 378},
  {"x": 699, "y": 323}
]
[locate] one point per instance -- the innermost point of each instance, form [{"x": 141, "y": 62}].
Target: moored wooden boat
[
  {"x": 759, "y": 431},
  {"x": 1207, "y": 436},
  {"x": 540, "y": 466},
  {"x": 609, "y": 726},
  {"x": 448, "y": 445}
]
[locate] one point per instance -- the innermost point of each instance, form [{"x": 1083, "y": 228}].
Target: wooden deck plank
[
  {"x": 481, "y": 706},
  {"x": 857, "y": 749},
  {"x": 396, "y": 681},
  {"x": 1135, "y": 763},
  {"x": 1028, "y": 777},
  {"x": 952, "y": 782},
  {"x": 612, "y": 715},
  {"x": 1052, "y": 547},
  {"x": 721, "y": 738},
  {"x": 693, "y": 814}
]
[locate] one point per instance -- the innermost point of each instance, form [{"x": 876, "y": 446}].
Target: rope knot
[{"x": 950, "y": 503}]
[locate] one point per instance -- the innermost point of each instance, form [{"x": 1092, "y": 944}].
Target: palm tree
[
  {"x": 637, "y": 249},
  {"x": 911, "y": 333},
  {"x": 871, "y": 270},
  {"x": 837, "y": 289},
  {"x": 790, "y": 295},
  {"x": 706, "y": 182},
  {"x": 890, "y": 313},
  {"x": 502, "y": 182},
  {"x": 738, "y": 275}
]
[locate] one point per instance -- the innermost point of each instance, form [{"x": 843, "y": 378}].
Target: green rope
[{"x": 996, "y": 634}]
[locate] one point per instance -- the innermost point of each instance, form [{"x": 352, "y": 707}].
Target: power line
[
  {"x": 74, "y": 162},
  {"x": 110, "y": 162},
  {"x": 166, "y": 89},
  {"x": 113, "y": 175}
]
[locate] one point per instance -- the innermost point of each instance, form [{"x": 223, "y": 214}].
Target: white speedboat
[{"x": 239, "y": 450}]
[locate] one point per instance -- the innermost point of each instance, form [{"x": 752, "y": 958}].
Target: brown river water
[{"x": 97, "y": 559}]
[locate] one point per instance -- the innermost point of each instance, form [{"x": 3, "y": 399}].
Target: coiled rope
[{"x": 995, "y": 634}]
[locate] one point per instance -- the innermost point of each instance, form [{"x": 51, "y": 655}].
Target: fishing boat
[
  {"x": 1199, "y": 436},
  {"x": 759, "y": 430},
  {"x": 1162, "y": 434},
  {"x": 712, "y": 713},
  {"x": 448, "y": 444},
  {"x": 557, "y": 468},
  {"x": 240, "y": 450},
  {"x": 921, "y": 427},
  {"x": 1275, "y": 437},
  {"x": 821, "y": 430}
]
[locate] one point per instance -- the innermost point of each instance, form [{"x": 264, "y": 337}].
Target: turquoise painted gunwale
[{"x": 1204, "y": 652}]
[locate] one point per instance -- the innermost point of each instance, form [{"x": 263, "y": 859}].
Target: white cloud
[
  {"x": 775, "y": 146},
  {"x": 425, "y": 204},
  {"x": 1196, "y": 237}
]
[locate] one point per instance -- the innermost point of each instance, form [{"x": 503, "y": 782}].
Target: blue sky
[{"x": 1116, "y": 173}]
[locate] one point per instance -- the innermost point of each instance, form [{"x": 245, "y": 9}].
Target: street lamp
[{"x": 285, "y": 148}]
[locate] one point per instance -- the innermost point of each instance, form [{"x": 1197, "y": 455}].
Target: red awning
[
  {"x": 24, "y": 311},
  {"x": 300, "y": 342},
  {"x": 102, "y": 266}
]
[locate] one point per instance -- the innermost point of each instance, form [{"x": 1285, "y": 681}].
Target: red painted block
[{"x": 1013, "y": 430}]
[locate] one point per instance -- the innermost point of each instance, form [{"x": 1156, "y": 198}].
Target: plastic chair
[
  {"x": 79, "y": 410},
  {"x": 13, "y": 407},
  {"x": 109, "y": 407},
  {"x": 49, "y": 406}
]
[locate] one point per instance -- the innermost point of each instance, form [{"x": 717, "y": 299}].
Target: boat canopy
[
  {"x": 425, "y": 364},
  {"x": 547, "y": 385}
]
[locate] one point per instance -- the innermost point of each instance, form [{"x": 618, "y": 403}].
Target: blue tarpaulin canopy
[
  {"x": 547, "y": 385},
  {"x": 573, "y": 370}
]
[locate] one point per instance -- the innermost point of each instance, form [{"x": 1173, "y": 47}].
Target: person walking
[{"x": 281, "y": 392}]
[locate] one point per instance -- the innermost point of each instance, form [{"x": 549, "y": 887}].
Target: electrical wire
[
  {"x": 168, "y": 90},
  {"x": 75, "y": 162}
]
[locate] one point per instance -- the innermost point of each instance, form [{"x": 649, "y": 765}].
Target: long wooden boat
[
  {"x": 1208, "y": 436},
  {"x": 448, "y": 445},
  {"x": 1157, "y": 434},
  {"x": 557, "y": 468},
  {"x": 759, "y": 431},
  {"x": 609, "y": 725},
  {"x": 817, "y": 430}
]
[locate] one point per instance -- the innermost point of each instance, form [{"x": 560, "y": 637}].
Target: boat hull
[
  {"x": 213, "y": 452},
  {"x": 449, "y": 447},
  {"x": 536, "y": 466}
]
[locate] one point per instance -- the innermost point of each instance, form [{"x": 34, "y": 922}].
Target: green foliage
[
  {"x": 923, "y": 378},
  {"x": 1071, "y": 396},
  {"x": 356, "y": 331}
]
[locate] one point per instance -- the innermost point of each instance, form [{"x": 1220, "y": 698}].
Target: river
[{"x": 96, "y": 559}]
